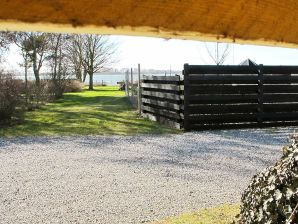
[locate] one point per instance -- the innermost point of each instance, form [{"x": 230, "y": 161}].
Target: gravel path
[{"x": 98, "y": 179}]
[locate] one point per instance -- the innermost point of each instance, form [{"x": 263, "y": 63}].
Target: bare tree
[
  {"x": 219, "y": 53},
  {"x": 58, "y": 62},
  {"x": 75, "y": 56},
  {"x": 4, "y": 43},
  {"x": 35, "y": 46},
  {"x": 98, "y": 54}
]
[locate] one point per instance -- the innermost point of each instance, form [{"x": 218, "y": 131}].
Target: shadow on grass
[{"x": 85, "y": 113}]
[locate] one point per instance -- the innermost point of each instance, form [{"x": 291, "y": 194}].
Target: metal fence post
[{"x": 139, "y": 91}]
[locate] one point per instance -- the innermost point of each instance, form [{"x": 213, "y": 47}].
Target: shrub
[
  {"x": 10, "y": 90},
  {"x": 272, "y": 196},
  {"x": 73, "y": 85}
]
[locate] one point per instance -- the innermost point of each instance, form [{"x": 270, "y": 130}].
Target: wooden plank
[
  {"x": 240, "y": 69},
  {"x": 161, "y": 78},
  {"x": 199, "y": 127},
  {"x": 223, "y": 118},
  {"x": 161, "y": 86},
  {"x": 280, "y": 79},
  {"x": 228, "y": 108},
  {"x": 195, "y": 83},
  {"x": 280, "y": 107},
  {"x": 281, "y": 88},
  {"x": 162, "y": 95},
  {"x": 290, "y": 116},
  {"x": 221, "y": 69},
  {"x": 162, "y": 104},
  {"x": 162, "y": 112},
  {"x": 280, "y": 69},
  {"x": 223, "y": 99},
  {"x": 162, "y": 120},
  {"x": 274, "y": 98},
  {"x": 223, "y": 77},
  {"x": 224, "y": 89},
  {"x": 181, "y": 110}
]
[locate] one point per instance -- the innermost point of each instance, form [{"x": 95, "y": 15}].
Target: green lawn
[
  {"x": 224, "y": 214},
  {"x": 104, "y": 111}
]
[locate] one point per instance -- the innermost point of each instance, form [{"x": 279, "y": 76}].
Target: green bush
[{"x": 272, "y": 196}]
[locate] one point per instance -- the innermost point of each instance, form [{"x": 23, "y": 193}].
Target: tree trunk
[{"x": 91, "y": 81}]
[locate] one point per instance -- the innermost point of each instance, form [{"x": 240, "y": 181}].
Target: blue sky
[{"x": 162, "y": 54}]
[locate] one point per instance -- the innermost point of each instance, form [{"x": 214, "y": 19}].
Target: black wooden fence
[
  {"x": 162, "y": 99},
  {"x": 224, "y": 97},
  {"x": 240, "y": 96}
]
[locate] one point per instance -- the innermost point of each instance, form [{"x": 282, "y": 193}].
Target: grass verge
[
  {"x": 224, "y": 214},
  {"x": 104, "y": 111}
]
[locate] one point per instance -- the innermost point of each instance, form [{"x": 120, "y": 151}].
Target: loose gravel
[{"x": 138, "y": 179}]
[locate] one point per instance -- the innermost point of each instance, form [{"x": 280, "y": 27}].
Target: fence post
[
  {"x": 186, "y": 97},
  {"x": 139, "y": 91},
  {"x": 260, "y": 94},
  {"x": 126, "y": 84},
  {"x": 131, "y": 84}
]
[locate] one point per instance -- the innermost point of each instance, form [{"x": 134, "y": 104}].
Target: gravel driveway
[{"x": 112, "y": 179}]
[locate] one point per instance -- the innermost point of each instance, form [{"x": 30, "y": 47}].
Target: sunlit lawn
[
  {"x": 104, "y": 111},
  {"x": 224, "y": 214}
]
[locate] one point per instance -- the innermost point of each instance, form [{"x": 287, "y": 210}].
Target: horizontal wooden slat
[
  {"x": 160, "y": 103},
  {"x": 224, "y": 69},
  {"x": 241, "y": 69},
  {"x": 280, "y": 79},
  {"x": 241, "y": 125},
  {"x": 273, "y": 98},
  {"x": 280, "y": 69},
  {"x": 162, "y": 95},
  {"x": 161, "y": 86},
  {"x": 291, "y": 116},
  {"x": 163, "y": 112},
  {"x": 280, "y": 88},
  {"x": 223, "y": 118},
  {"x": 222, "y": 99},
  {"x": 161, "y": 78},
  {"x": 162, "y": 120},
  {"x": 181, "y": 110},
  {"x": 215, "y": 109},
  {"x": 224, "y": 89},
  {"x": 280, "y": 107}
]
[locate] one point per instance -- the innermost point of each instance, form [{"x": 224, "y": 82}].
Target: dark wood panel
[
  {"x": 280, "y": 89},
  {"x": 274, "y": 98},
  {"x": 280, "y": 107},
  {"x": 241, "y": 125},
  {"x": 161, "y": 86},
  {"x": 162, "y": 120},
  {"x": 222, "y": 99},
  {"x": 162, "y": 112},
  {"x": 181, "y": 110},
  {"x": 223, "y": 118},
  {"x": 221, "y": 69},
  {"x": 224, "y": 89},
  {"x": 162, "y": 104},
  {"x": 162, "y": 95},
  {"x": 161, "y": 78},
  {"x": 280, "y": 69},
  {"x": 241, "y": 69},
  {"x": 291, "y": 116},
  {"x": 280, "y": 79},
  {"x": 215, "y": 109}
]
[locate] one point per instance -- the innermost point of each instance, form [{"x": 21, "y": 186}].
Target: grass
[
  {"x": 224, "y": 214},
  {"x": 104, "y": 111}
]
